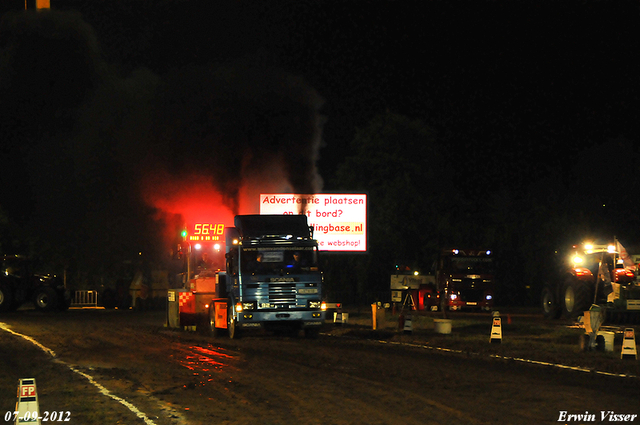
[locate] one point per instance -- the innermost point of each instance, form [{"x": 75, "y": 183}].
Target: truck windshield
[
  {"x": 476, "y": 265},
  {"x": 279, "y": 260},
  {"x": 592, "y": 262}
]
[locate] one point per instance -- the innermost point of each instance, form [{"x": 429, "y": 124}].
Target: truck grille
[
  {"x": 471, "y": 290},
  {"x": 282, "y": 293}
]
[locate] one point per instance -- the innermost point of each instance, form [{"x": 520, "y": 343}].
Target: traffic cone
[
  {"x": 496, "y": 328},
  {"x": 408, "y": 326},
  {"x": 629, "y": 345},
  {"x": 27, "y": 410}
]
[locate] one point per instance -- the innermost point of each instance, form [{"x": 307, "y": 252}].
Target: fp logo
[{"x": 28, "y": 390}]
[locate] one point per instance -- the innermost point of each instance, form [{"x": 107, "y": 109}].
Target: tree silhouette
[{"x": 399, "y": 163}]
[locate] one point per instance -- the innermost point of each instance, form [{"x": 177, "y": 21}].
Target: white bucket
[
  {"x": 442, "y": 326},
  {"x": 343, "y": 318},
  {"x": 608, "y": 340}
]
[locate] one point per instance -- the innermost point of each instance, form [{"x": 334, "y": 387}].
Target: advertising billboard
[{"x": 339, "y": 219}]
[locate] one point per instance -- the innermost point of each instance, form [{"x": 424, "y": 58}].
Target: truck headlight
[
  {"x": 248, "y": 305},
  {"x": 317, "y": 304}
]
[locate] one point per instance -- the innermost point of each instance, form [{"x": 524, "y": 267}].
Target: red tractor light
[
  {"x": 581, "y": 271},
  {"x": 624, "y": 276}
]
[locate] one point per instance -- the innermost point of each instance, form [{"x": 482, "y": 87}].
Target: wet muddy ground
[{"x": 127, "y": 367}]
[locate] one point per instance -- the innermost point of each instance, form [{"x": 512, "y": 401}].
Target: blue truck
[{"x": 272, "y": 278}]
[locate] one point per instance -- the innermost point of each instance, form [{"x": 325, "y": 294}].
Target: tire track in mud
[
  {"x": 215, "y": 380},
  {"x": 354, "y": 391},
  {"x": 279, "y": 382}
]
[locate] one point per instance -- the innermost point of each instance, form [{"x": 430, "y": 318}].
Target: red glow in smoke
[
  {"x": 191, "y": 200},
  {"x": 196, "y": 199}
]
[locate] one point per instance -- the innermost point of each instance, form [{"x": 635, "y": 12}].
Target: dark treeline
[{"x": 419, "y": 204}]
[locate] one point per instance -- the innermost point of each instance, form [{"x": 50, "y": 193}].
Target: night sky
[
  {"x": 517, "y": 91},
  {"x": 510, "y": 81}
]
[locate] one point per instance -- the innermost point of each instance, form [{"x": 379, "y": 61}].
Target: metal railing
[{"x": 85, "y": 299}]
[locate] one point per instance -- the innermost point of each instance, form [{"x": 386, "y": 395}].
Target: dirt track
[{"x": 176, "y": 377}]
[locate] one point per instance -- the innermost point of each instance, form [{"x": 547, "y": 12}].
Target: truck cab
[
  {"x": 272, "y": 275},
  {"x": 465, "y": 279}
]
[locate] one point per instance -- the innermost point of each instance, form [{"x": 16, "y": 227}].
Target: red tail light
[{"x": 581, "y": 271}]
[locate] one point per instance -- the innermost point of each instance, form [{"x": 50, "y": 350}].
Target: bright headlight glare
[
  {"x": 317, "y": 304},
  {"x": 247, "y": 306}
]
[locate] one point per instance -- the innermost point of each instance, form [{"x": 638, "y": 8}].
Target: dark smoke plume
[
  {"x": 92, "y": 154},
  {"x": 235, "y": 123}
]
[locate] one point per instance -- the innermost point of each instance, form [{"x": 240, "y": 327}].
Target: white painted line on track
[
  {"x": 496, "y": 356},
  {"x": 102, "y": 389},
  {"x": 517, "y": 359},
  {"x": 521, "y": 360}
]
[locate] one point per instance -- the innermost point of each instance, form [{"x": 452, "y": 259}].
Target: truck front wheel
[
  {"x": 46, "y": 299},
  {"x": 232, "y": 323},
  {"x": 550, "y": 305},
  {"x": 576, "y": 298}
]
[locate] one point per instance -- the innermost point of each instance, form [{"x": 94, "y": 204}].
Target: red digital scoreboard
[{"x": 206, "y": 232}]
